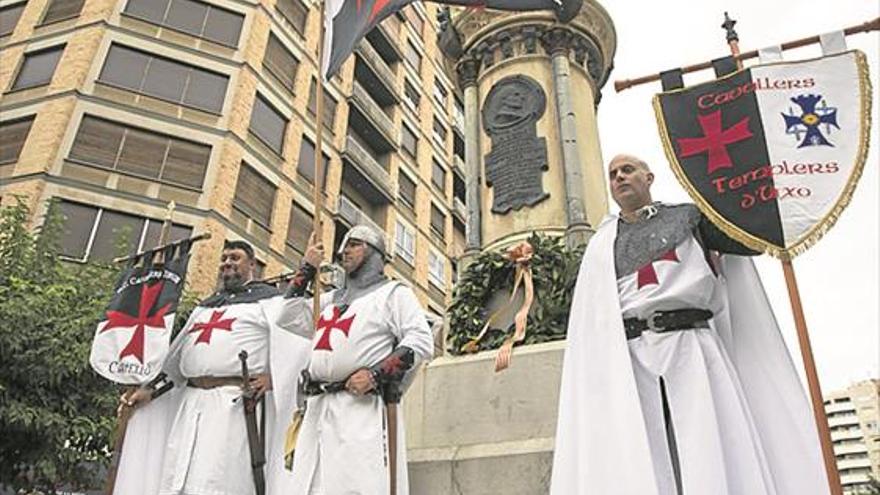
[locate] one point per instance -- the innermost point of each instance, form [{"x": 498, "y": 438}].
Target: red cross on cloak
[
  {"x": 378, "y": 5},
  {"x": 647, "y": 275},
  {"x": 118, "y": 319},
  {"x": 715, "y": 140},
  {"x": 329, "y": 325},
  {"x": 207, "y": 327}
]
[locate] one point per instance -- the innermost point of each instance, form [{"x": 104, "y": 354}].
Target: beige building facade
[
  {"x": 116, "y": 107},
  {"x": 854, "y": 419}
]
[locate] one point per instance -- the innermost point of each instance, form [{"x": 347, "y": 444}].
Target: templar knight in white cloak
[
  {"x": 676, "y": 379},
  {"x": 370, "y": 336},
  {"x": 194, "y": 440}
]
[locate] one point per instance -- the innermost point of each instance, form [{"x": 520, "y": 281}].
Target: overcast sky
[{"x": 839, "y": 276}]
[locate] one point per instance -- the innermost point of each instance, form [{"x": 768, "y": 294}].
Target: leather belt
[
  {"x": 667, "y": 321},
  {"x": 209, "y": 382}
]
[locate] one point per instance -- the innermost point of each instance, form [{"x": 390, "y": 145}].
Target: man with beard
[
  {"x": 676, "y": 379},
  {"x": 369, "y": 336},
  {"x": 194, "y": 440}
]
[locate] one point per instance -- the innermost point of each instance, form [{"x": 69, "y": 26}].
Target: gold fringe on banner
[
  {"x": 821, "y": 227},
  {"x": 519, "y": 255}
]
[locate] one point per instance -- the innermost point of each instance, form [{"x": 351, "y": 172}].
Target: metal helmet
[{"x": 366, "y": 234}]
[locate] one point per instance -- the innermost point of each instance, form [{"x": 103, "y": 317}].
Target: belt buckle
[{"x": 651, "y": 322}]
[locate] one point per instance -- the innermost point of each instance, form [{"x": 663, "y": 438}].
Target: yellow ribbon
[{"x": 520, "y": 255}]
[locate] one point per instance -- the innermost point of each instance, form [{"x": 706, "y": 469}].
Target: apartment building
[
  {"x": 853, "y": 417},
  {"x": 116, "y": 107}
]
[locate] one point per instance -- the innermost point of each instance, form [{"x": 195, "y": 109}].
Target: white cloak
[
  {"x": 208, "y": 453},
  {"x": 602, "y": 442},
  {"x": 342, "y": 447}
]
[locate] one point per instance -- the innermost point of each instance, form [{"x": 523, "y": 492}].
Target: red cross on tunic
[
  {"x": 715, "y": 140},
  {"x": 207, "y": 328},
  {"x": 143, "y": 320},
  {"x": 647, "y": 275},
  {"x": 329, "y": 325}
]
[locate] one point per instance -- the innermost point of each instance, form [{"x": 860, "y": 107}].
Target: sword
[
  {"x": 255, "y": 444},
  {"x": 391, "y": 394}
]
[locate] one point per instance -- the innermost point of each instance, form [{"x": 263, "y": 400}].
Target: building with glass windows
[
  {"x": 854, "y": 419},
  {"x": 116, "y": 107}
]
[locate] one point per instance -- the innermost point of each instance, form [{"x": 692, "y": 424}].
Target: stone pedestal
[{"x": 472, "y": 431}]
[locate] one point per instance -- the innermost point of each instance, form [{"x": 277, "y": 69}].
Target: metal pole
[
  {"x": 812, "y": 379},
  {"x": 801, "y": 325},
  {"x": 318, "y": 198},
  {"x": 865, "y": 27}
]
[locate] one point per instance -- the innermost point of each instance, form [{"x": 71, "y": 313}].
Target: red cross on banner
[
  {"x": 647, "y": 275},
  {"x": 715, "y": 140},
  {"x": 118, "y": 319},
  {"x": 207, "y": 328},
  {"x": 334, "y": 323}
]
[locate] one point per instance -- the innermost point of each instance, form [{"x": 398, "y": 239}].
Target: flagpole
[
  {"x": 318, "y": 198},
  {"x": 800, "y": 324},
  {"x": 124, "y": 412},
  {"x": 865, "y": 27}
]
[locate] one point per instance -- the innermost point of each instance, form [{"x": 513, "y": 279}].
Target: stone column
[
  {"x": 557, "y": 42},
  {"x": 467, "y": 71}
]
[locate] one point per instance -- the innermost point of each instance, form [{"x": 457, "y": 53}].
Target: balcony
[
  {"x": 458, "y": 208},
  {"x": 377, "y": 77},
  {"x": 349, "y": 213},
  {"x": 370, "y": 177},
  {"x": 458, "y": 164},
  {"x": 385, "y": 38},
  {"x": 371, "y": 121}
]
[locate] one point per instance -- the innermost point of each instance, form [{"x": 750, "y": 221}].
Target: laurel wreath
[{"x": 554, "y": 267}]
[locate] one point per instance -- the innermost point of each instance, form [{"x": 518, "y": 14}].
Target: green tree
[{"x": 56, "y": 414}]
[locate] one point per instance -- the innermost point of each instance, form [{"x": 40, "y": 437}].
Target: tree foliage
[
  {"x": 554, "y": 268},
  {"x": 56, "y": 414}
]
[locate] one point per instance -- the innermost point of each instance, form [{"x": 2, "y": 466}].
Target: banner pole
[
  {"x": 865, "y": 27},
  {"x": 812, "y": 378},
  {"x": 800, "y": 323},
  {"x": 124, "y": 413},
  {"x": 318, "y": 198}
]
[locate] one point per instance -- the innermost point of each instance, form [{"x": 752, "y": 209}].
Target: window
[
  {"x": 411, "y": 95},
  {"x": 299, "y": 228},
  {"x": 329, "y": 106},
  {"x": 306, "y": 165},
  {"x": 139, "y": 152},
  {"x": 404, "y": 242},
  {"x": 280, "y": 62},
  {"x": 254, "y": 195},
  {"x": 295, "y": 12},
  {"x": 407, "y": 190},
  {"x": 440, "y": 93},
  {"x": 12, "y": 137},
  {"x": 414, "y": 18},
  {"x": 438, "y": 221},
  {"x": 436, "y": 269},
  {"x": 268, "y": 124},
  {"x": 439, "y": 132},
  {"x": 38, "y": 67},
  {"x": 458, "y": 188},
  {"x": 412, "y": 56},
  {"x": 410, "y": 141},
  {"x": 164, "y": 78},
  {"x": 438, "y": 175},
  {"x": 60, "y": 10},
  {"x": 190, "y": 16},
  {"x": 9, "y": 16},
  {"x": 95, "y": 234}
]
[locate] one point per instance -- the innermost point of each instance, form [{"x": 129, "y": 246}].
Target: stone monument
[{"x": 531, "y": 86}]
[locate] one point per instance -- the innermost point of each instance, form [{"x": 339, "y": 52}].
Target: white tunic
[
  {"x": 741, "y": 419},
  {"x": 193, "y": 441},
  {"x": 342, "y": 445}
]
